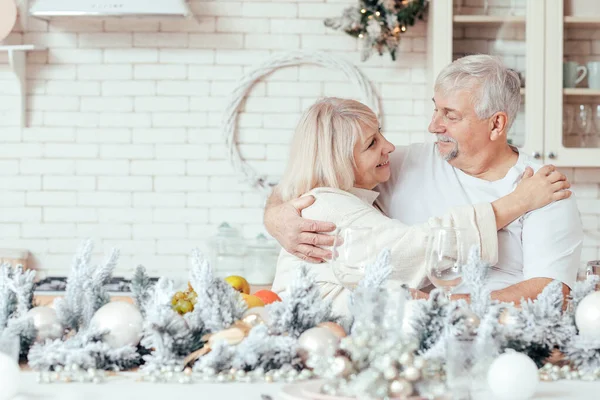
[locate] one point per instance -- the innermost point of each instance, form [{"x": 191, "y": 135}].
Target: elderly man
[{"x": 476, "y": 99}]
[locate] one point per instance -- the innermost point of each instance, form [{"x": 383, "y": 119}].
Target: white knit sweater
[{"x": 406, "y": 243}]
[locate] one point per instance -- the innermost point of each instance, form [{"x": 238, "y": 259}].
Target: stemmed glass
[
  {"x": 596, "y": 115},
  {"x": 570, "y": 138},
  {"x": 352, "y": 252},
  {"x": 584, "y": 123},
  {"x": 446, "y": 253}
]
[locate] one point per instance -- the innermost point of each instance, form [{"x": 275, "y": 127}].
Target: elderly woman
[{"x": 338, "y": 155}]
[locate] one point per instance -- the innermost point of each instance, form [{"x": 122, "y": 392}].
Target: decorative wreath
[{"x": 229, "y": 123}]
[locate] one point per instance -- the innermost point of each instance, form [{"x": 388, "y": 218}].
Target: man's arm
[
  {"x": 528, "y": 289},
  {"x": 552, "y": 238},
  {"x": 298, "y": 236}
]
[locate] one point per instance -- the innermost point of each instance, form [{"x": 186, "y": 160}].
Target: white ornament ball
[
  {"x": 587, "y": 316},
  {"x": 317, "y": 341},
  {"x": 122, "y": 320},
  {"x": 46, "y": 322},
  {"x": 9, "y": 377},
  {"x": 513, "y": 376}
]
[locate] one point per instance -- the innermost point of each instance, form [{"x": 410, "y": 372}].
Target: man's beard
[{"x": 452, "y": 154}]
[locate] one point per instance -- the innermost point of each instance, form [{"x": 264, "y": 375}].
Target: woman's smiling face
[{"x": 371, "y": 158}]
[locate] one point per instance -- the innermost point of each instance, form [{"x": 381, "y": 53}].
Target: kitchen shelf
[
  {"x": 581, "y": 92},
  {"x": 487, "y": 19},
  {"x": 582, "y": 22},
  {"x": 17, "y": 58}
]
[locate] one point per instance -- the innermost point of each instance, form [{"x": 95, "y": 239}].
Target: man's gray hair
[{"x": 494, "y": 87}]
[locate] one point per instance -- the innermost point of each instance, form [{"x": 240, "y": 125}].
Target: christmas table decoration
[
  {"x": 83, "y": 346},
  {"x": 377, "y": 360},
  {"x": 223, "y": 335},
  {"x": 16, "y": 295}
]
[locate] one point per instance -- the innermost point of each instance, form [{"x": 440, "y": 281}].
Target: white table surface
[{"x": 125, "y": 387}]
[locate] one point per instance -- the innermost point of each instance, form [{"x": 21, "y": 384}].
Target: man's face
[{"x": 460, "y": 133}]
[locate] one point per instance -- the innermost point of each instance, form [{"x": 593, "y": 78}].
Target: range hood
[{"x": 108, "y": 8}]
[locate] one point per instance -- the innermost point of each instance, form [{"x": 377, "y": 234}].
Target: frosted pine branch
[
  {"x": 141, "y": 288},
  {"x": 301, "y": 307},
  {"x": 218, "y": 304}
]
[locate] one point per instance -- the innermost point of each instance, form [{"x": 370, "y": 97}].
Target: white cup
[
  {"x": 593, "y": 68},
  {"x": 573, "y": 73}
]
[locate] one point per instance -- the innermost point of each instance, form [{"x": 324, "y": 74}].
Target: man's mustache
[{"x": 443, "y": 138}]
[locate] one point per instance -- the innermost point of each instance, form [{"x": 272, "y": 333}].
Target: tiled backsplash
[{"x": 124, "y": 145}]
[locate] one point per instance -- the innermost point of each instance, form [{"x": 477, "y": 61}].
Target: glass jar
[
  {"x": 261, "y": 261},
  {"x": 593, "y": 268},
  {"x": 227, "y": 251}
]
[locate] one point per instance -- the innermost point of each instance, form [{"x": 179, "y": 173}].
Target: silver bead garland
[
  {"x": 210, "y": 375},
  {"x": 170, "y": 374},
  {"x": 551, "y": 372},
  {"x": 71, "y": 373}
]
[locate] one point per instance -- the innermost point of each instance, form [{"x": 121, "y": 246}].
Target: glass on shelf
[{"x": 581, "y": 125}]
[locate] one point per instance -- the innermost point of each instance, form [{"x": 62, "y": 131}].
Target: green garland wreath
[{"x": 379, "y": 23}]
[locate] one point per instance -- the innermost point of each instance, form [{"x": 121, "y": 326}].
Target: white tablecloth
[{"x": 126, "y": 388}]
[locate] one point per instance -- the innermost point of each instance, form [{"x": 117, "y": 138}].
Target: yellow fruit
[
  {"x": 252, "y": 301},
  {"x": 192, "y": 297},
  {"x": 184, "y": 306},
  {"x": 176, "y": 297},
  {"x": 238, "y": 283}
]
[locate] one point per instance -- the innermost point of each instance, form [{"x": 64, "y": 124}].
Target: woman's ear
[{"x": 498, "y": 124}]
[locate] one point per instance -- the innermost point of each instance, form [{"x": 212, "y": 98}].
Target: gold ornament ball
[
  {"x": 342, "y": 366},
  {"x": 412, "y": 374},
  {"x": 401, "y": 388},
  {"x": 317, "y": 341},
  {"x": 336, "y": 329},
  {"x": 253, "y": 320}
]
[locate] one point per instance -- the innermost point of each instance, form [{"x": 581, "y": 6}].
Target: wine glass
[
  {"x": 446, "y": 253},
  {"x": 596, "y": 115},
  {"x": 570, "y": 137},
  {"x": 584, "y": 123},
  {"x": 352, "y": 252}
]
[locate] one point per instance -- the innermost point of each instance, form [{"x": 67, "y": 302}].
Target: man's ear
[{"x": 498, "y": 124}]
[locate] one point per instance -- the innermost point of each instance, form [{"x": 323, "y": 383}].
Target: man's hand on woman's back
[{"x": 298, "y": 236}]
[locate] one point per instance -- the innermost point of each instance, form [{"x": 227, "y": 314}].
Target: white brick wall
[{"x": 123, "y": 143}]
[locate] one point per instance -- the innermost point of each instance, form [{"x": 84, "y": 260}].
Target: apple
[
  {"x": 252, "y": 301},
  {"x": 267, "y": 296},
  {"x": 238, "y": 283}
]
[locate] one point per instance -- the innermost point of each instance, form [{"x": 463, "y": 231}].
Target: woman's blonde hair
[{"x": 322, "y": 149}]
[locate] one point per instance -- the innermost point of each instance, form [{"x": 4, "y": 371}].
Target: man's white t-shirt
[{"x": 543, "y": 243}]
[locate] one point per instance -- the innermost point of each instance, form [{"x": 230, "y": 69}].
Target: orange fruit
[
  {"x": 238, "y": 283},
  {"x": 267, "y": 296},
  {"x": 252, "y": 301}
]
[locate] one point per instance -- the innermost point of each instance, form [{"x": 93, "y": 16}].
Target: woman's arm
[{"x": 533, "y": 192}]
